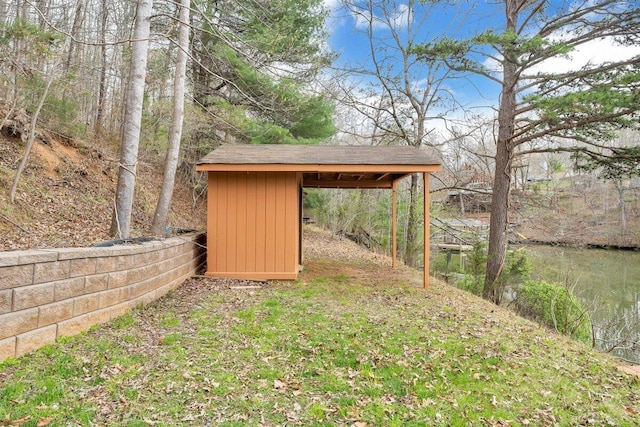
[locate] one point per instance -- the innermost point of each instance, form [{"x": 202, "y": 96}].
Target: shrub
[
  {"x": 516, "y": 269},
  {"x": 471, "y": 284},
  {"x": 554, "y": 306},
  {"x": 476, "y": 267}
]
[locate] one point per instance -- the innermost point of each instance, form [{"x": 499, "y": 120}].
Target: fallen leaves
[
  {"x": 42, "y": 422},
  {"x": 17, "y": 422},
  {"x": 65, "y": 197},
  {"x": 346, "y": 353}
]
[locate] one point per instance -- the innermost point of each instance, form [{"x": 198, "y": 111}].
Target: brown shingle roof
[
  {"x": 318, "y": 155},
  {"x": 324, "y": 166}
]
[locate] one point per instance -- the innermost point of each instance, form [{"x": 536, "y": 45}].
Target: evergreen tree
[
  {"x": 252, "y": 65},
  {"x": 587, "y": 106}
]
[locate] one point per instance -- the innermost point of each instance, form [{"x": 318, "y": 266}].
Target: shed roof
[{"x": 326, "y": 166}]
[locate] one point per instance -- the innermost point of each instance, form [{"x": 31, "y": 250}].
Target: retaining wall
[{"x": 49, "y": 293}]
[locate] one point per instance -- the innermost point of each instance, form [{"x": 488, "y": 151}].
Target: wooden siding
[{"x": 253, "y": 225}]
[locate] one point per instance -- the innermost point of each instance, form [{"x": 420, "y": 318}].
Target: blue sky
[
  {"x": 349, "y": 40},
  {"x": 344, "y": 24},
  {"x": 456, "y": 19}
]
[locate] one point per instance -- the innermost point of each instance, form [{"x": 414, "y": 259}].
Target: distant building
[{"x": 475, "y": 197}]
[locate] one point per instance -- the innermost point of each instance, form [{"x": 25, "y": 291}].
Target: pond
[{"x": 607, "y": 282}]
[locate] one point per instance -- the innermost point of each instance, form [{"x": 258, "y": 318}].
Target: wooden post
[
  {"x": 425, "y": 177},
  {"x": 394, "y": 226}
]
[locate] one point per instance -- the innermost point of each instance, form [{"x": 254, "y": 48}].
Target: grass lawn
[{"x": 350, "y": 343}]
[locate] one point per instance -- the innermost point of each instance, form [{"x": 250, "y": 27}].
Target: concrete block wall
[{"x": 49, "y": 293}]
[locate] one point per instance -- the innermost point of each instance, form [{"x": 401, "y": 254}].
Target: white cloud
[
  {"x": 397, "y": 18},
  {"x": 363, "y": 18},
  {"x": 594, "y": 52},
  {"x": 492, "y": 65},
  {"x": 591, "y": 53},
  {"x": 331, "y": 4},
  {"x": 402, "y": 17}
]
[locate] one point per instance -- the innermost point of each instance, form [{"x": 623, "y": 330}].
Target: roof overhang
[{"x": 324, "y": 166}]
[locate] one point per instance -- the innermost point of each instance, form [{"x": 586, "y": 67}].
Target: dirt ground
[
  {"x": 321, "y": 249},
  {"x": 66, "y": 194}
]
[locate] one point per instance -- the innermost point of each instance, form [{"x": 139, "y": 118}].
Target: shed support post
[
  {"x": 394, "y": 226},
  {"x": 425, "y": 179}
]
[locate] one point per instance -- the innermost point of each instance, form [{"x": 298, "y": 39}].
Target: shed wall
[{"x": 253, "y": 225}]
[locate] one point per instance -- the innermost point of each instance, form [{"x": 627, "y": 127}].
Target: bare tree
[
  {"x": 175, "y": 132},
  {"x": 30, "y": 138},
  {"x": 397, "y": 95},
  {"x": 623, "y": 164},
  {"x": 102, "y": 85},
  {"x": 75, "y": 30},
  {"x": 121, "y": 220}
]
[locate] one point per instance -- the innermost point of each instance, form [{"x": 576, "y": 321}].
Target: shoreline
[{"x": 609, "y": 247}]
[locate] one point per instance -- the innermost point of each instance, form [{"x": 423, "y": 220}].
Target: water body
[{"x": 607, "y": 282}]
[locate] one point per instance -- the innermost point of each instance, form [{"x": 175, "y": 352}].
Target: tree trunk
[
  {"x": 75, "y": 29},
  {"x": 102, "y": 85},
  {"x": 498, "y": 223},
  {"x": 22, "y": 13},
  {"x": 502, "y": 178},
  {"x": 411, "y": 244},
  {"x": 42, "y": 6},
  {"x": 121, "y": 221},
  {"x": 623, "y": 211},
  {"x": 175, "y": 133},
  {"x": 5, "y": 13},
  {"x": 30, "y": 140}
]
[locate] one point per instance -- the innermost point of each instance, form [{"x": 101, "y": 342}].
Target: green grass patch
[
  {"x": 170, "y": 320},
  {"x": 321, "y": 353}
]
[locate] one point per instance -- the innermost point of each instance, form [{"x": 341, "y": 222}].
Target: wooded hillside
[{"x": 67, "y": 190}]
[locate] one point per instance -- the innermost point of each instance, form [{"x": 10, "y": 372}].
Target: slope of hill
[
  {"x": 582, "y": 214},
  {"x": 66, "y": 194},
  {"x": 347, "y": 345}
]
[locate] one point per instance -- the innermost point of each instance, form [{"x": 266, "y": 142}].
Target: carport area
[{"x": 254, "y": 193}]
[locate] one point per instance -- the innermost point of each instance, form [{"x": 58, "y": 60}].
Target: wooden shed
[{"x": 254, "y": 211}]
